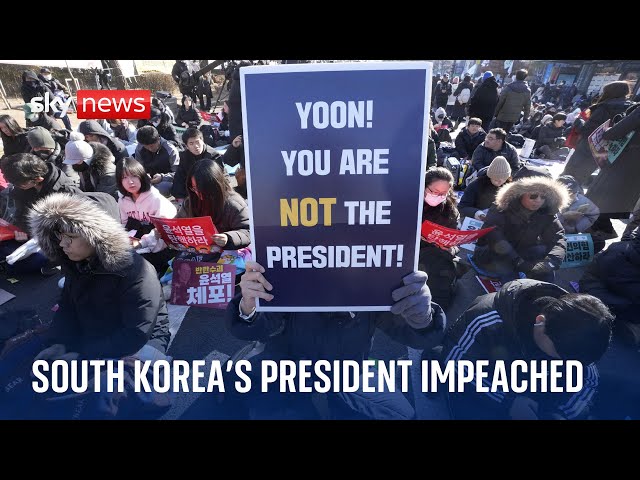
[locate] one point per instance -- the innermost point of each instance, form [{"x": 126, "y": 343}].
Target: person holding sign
[
  {"x": 210, "y": 194},
  {"x": 439, "y": 208},
  {"x": 612, "y": 101},
  {"x": 333, "y": 336},
  {"x": 528, "y": 236}
]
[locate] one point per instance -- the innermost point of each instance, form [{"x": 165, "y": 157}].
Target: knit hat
[
  {"x": 545, "y": 119},
  {"x": 499, "y": 169},
  {"x": 39, "y": 137},
  {"x": 487, "y": 74},
  {"x": 77, "y": 152}
]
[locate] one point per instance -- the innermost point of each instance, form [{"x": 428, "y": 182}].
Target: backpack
[{"x": 464, "y": 96}]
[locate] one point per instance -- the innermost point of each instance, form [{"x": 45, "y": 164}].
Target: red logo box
[{"x": 114, "y": 104}]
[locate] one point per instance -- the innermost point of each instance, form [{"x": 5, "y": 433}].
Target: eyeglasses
[
  {"x": 436, "y": 193},
  {"x": 63, "y": 236},
  {"x": 534, "y": 196}
]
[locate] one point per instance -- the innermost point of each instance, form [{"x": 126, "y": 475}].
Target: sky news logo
[{"x": 114, "y": 104}]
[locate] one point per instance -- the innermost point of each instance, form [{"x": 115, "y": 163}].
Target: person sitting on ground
[
  {"x": 161, "y": 122},
  {"x": 94, "y": 164},
  {"x": 414, "y": 320},
  {"x": 210, "y": 194},
  {"x": 481, "y": 193},
  {"x": 39, "y": 119},
  {"x": 138, "y": 201},
  {"x": 443, "y": 125},
  {"x": 188, "y": 115},
  {"x": 614, "y": 277},
  {"x": 44, "y": 146},
  {"x": 528, "y": 320},
  {"x": 93, "y": 132},
  {"x": 124, "y": 131},
  {"x": 551, "y": 139},
  {"x": 159, "y": 158},
  {"x": 439, "y": 262},
  {"x": 196, "y": 150},
  {"x": 495, "y": 143},
  {"x": 14, "y": 137},
  {"x": 469, "y": 138},
  {"x": 528, "y": 236},
  {"x": 581, "y": 213},
  {"x": 111, "y": 305}
]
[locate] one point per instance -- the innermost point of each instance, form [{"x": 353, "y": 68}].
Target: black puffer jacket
[
  {"x": 517, "y": 230},
  {"x": 484, "y": 100},
  {"x": 479, "y": 195},
  {"x": 187, "y": 160},
  {"x": 467, "y": 144},
  {"x": 112, "y": 304}
]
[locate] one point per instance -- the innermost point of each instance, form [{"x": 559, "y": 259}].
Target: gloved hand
[
  {"x": 413, "y": 300},
  {"x": 542, "y": 267}
]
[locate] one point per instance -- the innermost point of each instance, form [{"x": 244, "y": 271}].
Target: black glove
[{"x": 413, "y": 300}]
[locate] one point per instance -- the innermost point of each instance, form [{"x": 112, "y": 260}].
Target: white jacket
[{"x": 151, "y": 203}]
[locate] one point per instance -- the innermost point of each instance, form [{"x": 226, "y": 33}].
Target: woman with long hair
[
  {"x": 439, "y": 208},
  {"x": 612, "y": 101},
  {"x": 209, "y": 194},
  {"x": 14, "y": 137}
]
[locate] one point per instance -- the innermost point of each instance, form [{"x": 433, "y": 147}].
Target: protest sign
[
  {"x": 187, "y": 234},
  {"x": 470, "y": 224},
  {"x": 579, "y": 250},
  {"x": 335, "y": 161},
  {"x": 450, "y": 237},
  {"x": 202, "y": 284},
  {"x": 598, "y": 145}
]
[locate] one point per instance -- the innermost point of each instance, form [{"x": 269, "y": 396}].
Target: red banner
[
  {"x": 449, "y": 237},
  {"x": 7, "y": 231},
  {"x": 202, "y": 284},
  {"x": 193, "y": 235}
]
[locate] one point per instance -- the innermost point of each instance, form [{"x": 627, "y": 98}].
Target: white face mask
[
  {"x": 33, "y": 117},
  {"x": 47, "y": 77},
  {"x": 434, "y": 200},
  {"x": 155, "y": 124}
]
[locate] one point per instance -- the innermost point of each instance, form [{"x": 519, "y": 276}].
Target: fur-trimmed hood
[
  {"x": 81, "y": 215},
  {"x": 556, "y": 194},
  {"x": 102, "y": 161}
]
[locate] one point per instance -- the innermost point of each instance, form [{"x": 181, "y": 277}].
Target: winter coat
[
  {"x": 581, "y": 164},
  {"x": 548, "y": 134},
  {"x": 55, "y": 181},
  {"x": 126, "y": 135},
  {"x": 467, "y": 144},
  {"x": 148, "y": 204},
  {"x": 499, "y": 326},
  {"x": 614, "y": 277},
  {"x": 483, "y": 102},
  {"x": 191, "y": 117},
  {"x": 54, "y": 84},
  {"x": 101, "y": 174},
  {"x": 589, "y": 213},
  {"x": 517, "y": 229},
  {"x": 514, "y": 99},
  {"x": 443, "y": 90},
  {"x": 15, "y": 144},
  {"x": 112, "y": 303},
  {"x": 483, "y": 156},
  {"x": 118, "y": 150},
  {"x": 165, "y": 161},
  {"x": 479, "y": 195},
  {"x": 617, "y": 186},
  {"x": 329, "y": 335},
  {"x": 234, "y": 220},
  {"x": 30, "y": 90},
  {"x": 186, "y": 161}
]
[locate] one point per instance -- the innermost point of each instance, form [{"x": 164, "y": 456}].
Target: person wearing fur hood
[
  {"x": 527, "y": 236},
  {"x": 111, "y": 304}
]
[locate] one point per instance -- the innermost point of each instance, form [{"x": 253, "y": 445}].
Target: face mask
[
  {"x": 434, "y": 200},
  {"x": 155, "y": 124},
  {"x": 47, "y": 77},
  {"x": 43, "y": 154},
  {"x": 80, "y": 167},
  {"x": 33, "y": 117}
]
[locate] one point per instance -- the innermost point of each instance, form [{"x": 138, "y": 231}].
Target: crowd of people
[{"x": 87, "y": 197}]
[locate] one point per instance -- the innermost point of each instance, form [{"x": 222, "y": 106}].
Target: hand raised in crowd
[
  {"x": 413, "y": 300},
  {"x": 254, "y": 285}
]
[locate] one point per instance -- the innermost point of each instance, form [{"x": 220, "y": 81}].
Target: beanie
[
  {"x": 77, "y": 151},
  {"x": 487, "y": 74},
  {"x": 499, "y": 169},
  {"x": 39, "y": 137}
]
